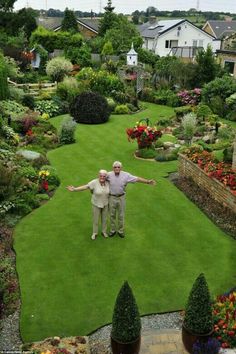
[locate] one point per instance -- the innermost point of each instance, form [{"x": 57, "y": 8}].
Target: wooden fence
[{"x": 37, "y": 88}]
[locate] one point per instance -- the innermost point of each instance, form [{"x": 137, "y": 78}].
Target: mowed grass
[{"x": 69, "y": 283}]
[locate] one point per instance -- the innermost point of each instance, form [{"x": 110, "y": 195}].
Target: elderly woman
[{"x": 99, "y": 188}]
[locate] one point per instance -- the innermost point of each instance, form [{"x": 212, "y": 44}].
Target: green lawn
[{"x": 69, "y": 282}]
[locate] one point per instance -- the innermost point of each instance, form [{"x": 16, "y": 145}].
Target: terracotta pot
[
  {"x": 125, "y": 348},
  {"x": 189, "y": 338}
]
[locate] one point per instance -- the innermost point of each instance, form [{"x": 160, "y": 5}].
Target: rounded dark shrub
[
  {"x": 90, "y": 108},
  {"x": 28, "y": 101}
]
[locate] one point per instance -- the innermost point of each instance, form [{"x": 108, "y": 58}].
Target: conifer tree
[{"x": 69, "y": 23}]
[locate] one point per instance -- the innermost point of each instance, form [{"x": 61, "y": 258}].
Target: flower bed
[
  {"x": 224, "y": 317},
  {"x": 221, "y": 171},
  {"x": 144, "y": 134},
  {"x": 204, "y": 174}
]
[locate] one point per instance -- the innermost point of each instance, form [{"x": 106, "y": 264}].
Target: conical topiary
[
  {"x": 198, "y": 312},
  {"x": 126, "y": 323}
]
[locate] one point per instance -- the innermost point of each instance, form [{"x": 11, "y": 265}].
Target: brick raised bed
[{"x": 216, "y": 189}]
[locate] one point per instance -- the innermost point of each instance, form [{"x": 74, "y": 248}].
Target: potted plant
[
  {"x": 198, "y": 321},
  {"x": 126, "y": 323}
]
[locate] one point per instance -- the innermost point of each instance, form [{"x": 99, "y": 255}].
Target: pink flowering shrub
[{"x": 190, "y": 97}]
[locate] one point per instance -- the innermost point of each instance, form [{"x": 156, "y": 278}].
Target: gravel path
[
  {"x": 10, "y": 337},
  {"x": 9, "y": 333}
]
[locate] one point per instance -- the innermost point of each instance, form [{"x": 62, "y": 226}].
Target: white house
[{"x": 175, "y": 37}]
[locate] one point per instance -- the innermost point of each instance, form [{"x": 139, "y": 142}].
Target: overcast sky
[{"x": 128, "y": 6}]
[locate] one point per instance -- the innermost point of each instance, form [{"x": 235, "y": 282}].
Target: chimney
[{"x": 152, "y": 20}]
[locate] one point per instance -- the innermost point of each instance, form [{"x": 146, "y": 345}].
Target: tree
[
  {"x": 6, "y": 5},
  {"x": 107, "y": 49},
  {"x": 69, "y": 22},
  {"x": 108, "y": 21},
  {"x": 25, "y": 20},
  {"x": 207, "y": 67},
  {"x": 4, "y": 92},
  {"x": 122, "y": 35}
]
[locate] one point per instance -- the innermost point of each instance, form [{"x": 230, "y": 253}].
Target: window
[
  {"x": 200, "y": 43},
  {"x": 171, "y": 44},
  {"x": 194, "y": 42},
  {"x": 229, "y": 66}
]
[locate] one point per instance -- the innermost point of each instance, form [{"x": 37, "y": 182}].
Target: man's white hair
[{"x": 117, "y": 163}]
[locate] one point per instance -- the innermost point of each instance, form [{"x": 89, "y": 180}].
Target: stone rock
[
  {"x": 28, "y": 154},
  {"x": 206, "y": 139},
  {"x": 168, "y": 144}
]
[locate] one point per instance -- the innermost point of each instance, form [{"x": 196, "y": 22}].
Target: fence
[{"x": 37, "y": 88}]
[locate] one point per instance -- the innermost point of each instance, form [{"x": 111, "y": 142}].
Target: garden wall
[{"x": 216, "y": 189}]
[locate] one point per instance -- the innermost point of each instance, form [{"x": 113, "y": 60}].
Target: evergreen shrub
[
  {"x": 90, "y": 108},
  {"x": 126, "y": 323},
  {"x": 198, "y": 312},
  {"x": 67, "y": 131}
]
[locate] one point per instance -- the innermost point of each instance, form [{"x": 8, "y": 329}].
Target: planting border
[{"x": 216, "y": 189}]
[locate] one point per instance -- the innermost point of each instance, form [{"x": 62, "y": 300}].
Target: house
[
  {"x": 177, "y": 37},
  {"x": 220, "y": 29},
  {"x": 88, "y": 27},
  {"x": 227, "y": 59}
]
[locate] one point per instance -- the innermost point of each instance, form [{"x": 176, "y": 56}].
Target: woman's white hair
[
  {"x": 117, "y": 163},
  {"x": 103, "y": 172}
]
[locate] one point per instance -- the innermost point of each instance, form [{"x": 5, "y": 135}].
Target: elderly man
[{"x": 118, "y": 180}]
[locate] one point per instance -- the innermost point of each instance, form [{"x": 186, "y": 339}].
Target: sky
[{"x": 128, "y": 6}]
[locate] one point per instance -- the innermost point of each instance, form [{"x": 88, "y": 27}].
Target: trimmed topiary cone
[
  {"x": 126, "y": 323},
  {"x": 198, "y": 321},
  {"x": 198, "y": 312}
]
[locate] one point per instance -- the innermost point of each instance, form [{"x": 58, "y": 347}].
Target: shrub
[
  {"x": 67, "y": 131},
  {"x": 57, "y": 68},
  {"x": 228, "y": 154},
  {"x": 215, "y": 93},
  {"x": 126, "y": 324},
  {"x": 100, "y": 81},
  {"x": 166, "y": 97},
  {"x": 111, "y": 103},
  {"x": 122, "y": 109},
  {"x": 4, "y": 91},
  {"x": 68, "y": 89},
  {"x": 226, "y": 133},
  {"x": 191, "y": 97},
  {"x": 16, "y": 94},
  {"x": 146, "y": 153},
  {"x": 148, "y": 94},
  {"x": 28, "y": 101},
  {"x": 28, "y": 172},
  {"x": 12, "y": 108},
  {"x": 203, "y": 111},
  {"x": 9, "y": 291},
  {"x": 163, "y": 155},
  {"x": 52, "y": 178},
  {"x": 49, "y": 107},
  {"x": 198, "y": 312},
  {"x": 181, "y": 111},
  {"x": 189, "y": 123},
  {"x": 119, "y": 96},
  {"x": 90, "y": 108}
]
